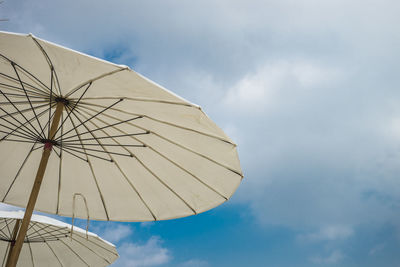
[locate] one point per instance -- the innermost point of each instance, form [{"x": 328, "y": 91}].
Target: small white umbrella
[{"x": 49, "y": 243}]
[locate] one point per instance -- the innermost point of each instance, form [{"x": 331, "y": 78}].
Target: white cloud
[
  {"x": 116, "y": 232},
  {"x": 335, "y": 257},
  {"x": 328, "y": 233},
  {"x": 275, "y": 83},
  {"x": 151, "y": 253}
]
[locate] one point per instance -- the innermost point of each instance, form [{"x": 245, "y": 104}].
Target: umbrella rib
[
  {"x": 36, "y": 91},
  {"x": 59, "y": 173},
  {"x": 137, "y": 192},
  {"x": 101, "y": 128},
  {"x": 105, "y": 137},
  {"x": 145, "y": 100},
  {"x": 165, "y": 184},
  {"x": 20, "y": 123},
  {"x": 18, "y": 172},
  {"x": 27, "y": 72},
  {"x": 18, "y": 127},
  {"x": 54, "y": 253},
  {"x": 47, "y": 125},
  {"x": 5, "y": 225},
  {"x": 48, "y": 245},
  {"x": 8, "y": 228},
  {"x": 92, "y": 171},
  {"x": 52, "y": 69},
  {"x": 58, "y": 234},
  {"x": 23, "y": 111},
  {"x": 97, "y": 114},
  {"x": 131, "y": 155},
  {"x": 20, "y": 112},
  {"x": 173, "y": 162},
  {"x": 36, "y": 232},
  {"x": 92, "y": 134},
  {"x": 72, "y": 109},
  {"x": 96, "y": 150},
  {"x": 98, "y": 245},
  {"x": 157, "y": 120},
  {"x": 16, "y": 135},
  {"x": 5, "y": 254},
  {"x": 13, "y": 131},
  {"x": 98, "y": 189},
  {"x": 50, "y": 102},
  {"x": 22, "y": 96},
  {"x": 30, "y": 103},
  {"x": 72, "y": 91},
  {"x": 31, "y": 253},
  {"x": 6, "y": 237},
  {"x": 69, "y": 152},
  {"x": 76, "y": 254},
  {"x": 170, "y": 141},
  {"x": 94, "y": 252}
]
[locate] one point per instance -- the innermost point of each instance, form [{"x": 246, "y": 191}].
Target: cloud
[
  {"x": 335, "y": 257},
  {"x": 270, "y": 85},
  {"x": 328, "y": 233},
  {"x": 116, "y": 233},
  {"x": 150, "y": 253}
]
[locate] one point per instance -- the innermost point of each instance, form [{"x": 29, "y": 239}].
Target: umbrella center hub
[
  {"x": 48, "y": 143},
  {"x": 62, "y": 100}
]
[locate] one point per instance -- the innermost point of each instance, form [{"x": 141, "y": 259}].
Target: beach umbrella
[
  {"x": 104, "y": 142},
  {"x": 49, "y": 242}
]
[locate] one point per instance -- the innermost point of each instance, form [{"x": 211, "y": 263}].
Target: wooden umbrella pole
[{"x": 16, "y": 248}]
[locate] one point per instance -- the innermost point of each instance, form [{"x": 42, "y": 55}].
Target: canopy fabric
[
  {"x": 48, "y": 243},
  {"x": 131, "y": 149}
]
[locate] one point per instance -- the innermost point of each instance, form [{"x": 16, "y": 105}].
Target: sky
[{"x": 308, "y": 89}]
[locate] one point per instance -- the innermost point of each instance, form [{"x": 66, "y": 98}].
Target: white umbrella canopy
[
  {"x": 48, "y": 243},
  {"x": 132, "y": 150}
]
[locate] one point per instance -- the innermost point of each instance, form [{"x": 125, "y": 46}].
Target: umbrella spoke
[
  {"x": 52, "y": 69},
  {"x": 74, "y": 252},
  {"x": 23, "y": 111},
  {"x": 18, "y": 172},
  {"x": 23, "y": 102},
  {"x": 15, "y": 130},
  {"x": 86, "y": 154},
  {"x": 106, "y": 137},
  {"x": 100, "y": 151},
  {"x": 75, "y": 155},
  {"x": 72, "y": 109},
  {"x": 89, "y": 105},
  {"x": 30, "y": 132},
  {"x": 97, "y": 114},
  {"x": 29, "y": 100},
  {"x": 36, "y": 91},
  {"x": 27, "y": 73},
  {"x": 28, "y": 121},
  {"x": 18, "y": 127},
  {"x": 59, "y": 170},
  {"x": 95, "y": 79},
  {"x": 17, "y": 135},
  {"x": 86, "y": 127},
  {"x": 104, "y": 127},
  {"x": 175, "y": 163},
  {"x": 22, "y": 96}
]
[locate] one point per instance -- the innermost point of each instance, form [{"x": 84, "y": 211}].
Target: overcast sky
[{"x": 308, "y": 89}]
